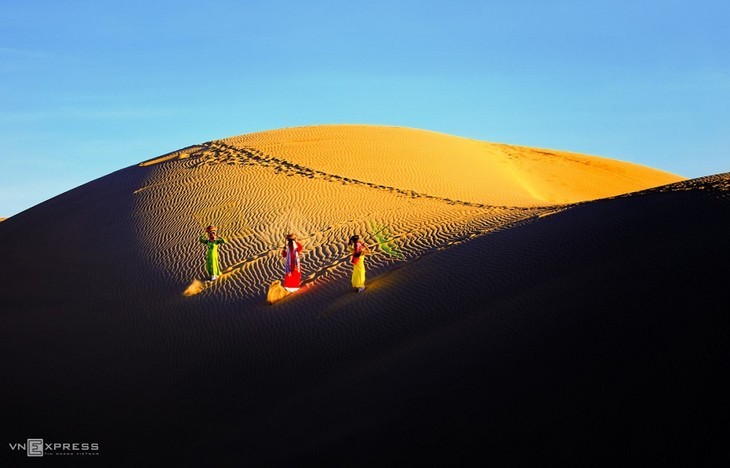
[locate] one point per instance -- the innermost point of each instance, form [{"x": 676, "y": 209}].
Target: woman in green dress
[{"x": 212, "y": 241}]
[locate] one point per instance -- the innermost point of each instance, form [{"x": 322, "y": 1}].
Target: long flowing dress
[
  {"x": 211, "y": 254},
  {"x": 358, "y": 264},
  {"x": 293, "y": 272}
]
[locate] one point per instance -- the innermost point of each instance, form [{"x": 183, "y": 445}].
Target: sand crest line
[
  {"x": 216, "y": 152},
  {"x": 718, "y": 184},
  {"x": 177, "y": 154}
]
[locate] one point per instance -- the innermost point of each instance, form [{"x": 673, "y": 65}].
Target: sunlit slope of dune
[
  {"x": 451, "y": 167},
  {"x": 406, "y": 192},
  {"x": 255, "y": 200}
]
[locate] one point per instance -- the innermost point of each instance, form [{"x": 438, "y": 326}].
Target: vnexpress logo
[
  {"x": 35, "y": 447},
  {"x": 40, "y": 448}
]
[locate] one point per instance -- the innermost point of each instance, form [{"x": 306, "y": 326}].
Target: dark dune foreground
[{"x": 597, "y": 335}]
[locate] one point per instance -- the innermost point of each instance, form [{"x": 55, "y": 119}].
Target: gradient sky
[{"x": 90, "y": 87}]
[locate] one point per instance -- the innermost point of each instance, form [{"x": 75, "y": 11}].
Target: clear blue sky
[{"x": 89, "y": 87}]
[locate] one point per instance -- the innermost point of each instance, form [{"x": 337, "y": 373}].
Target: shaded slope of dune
[{"x": 599, "y": 335}]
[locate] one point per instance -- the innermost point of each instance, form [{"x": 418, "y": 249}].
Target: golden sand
[
  {"x": 406, "y": 191},
  {"x": 452, "y": 167}
]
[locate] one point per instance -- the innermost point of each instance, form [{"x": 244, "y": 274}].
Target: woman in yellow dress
[{"x": 358, "y": 250}]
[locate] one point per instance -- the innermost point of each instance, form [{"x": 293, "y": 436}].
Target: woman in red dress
[{"x": 293, "y": 272}]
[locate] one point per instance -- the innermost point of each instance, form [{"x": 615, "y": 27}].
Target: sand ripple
[{"x": 255, "y": 199}]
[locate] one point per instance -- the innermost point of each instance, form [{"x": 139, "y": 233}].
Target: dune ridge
[{"x": 453, "y": 167}]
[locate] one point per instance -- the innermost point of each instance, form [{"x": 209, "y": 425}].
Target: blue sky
[{"x": 90, "y": 87}]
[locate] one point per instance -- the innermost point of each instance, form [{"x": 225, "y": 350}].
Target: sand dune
[
  {"x": 452, "y": 167},
  {"x": 539, "y": 307},
  {"x": 255, "y": 203},
  {"x": 417, "y": 190}
]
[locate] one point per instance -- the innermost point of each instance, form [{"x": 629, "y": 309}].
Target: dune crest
[{"x": 452, "y": 167}]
